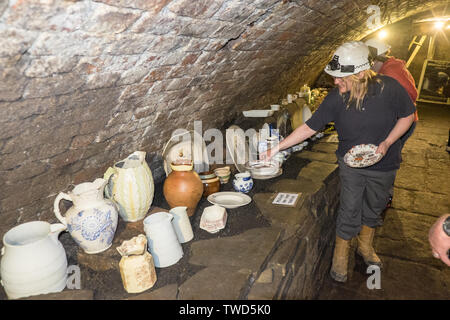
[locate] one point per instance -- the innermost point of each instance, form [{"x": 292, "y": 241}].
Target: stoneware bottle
[
  {"x": 183, "y": 187},
  {"x": 92, "y": 219},
  {"x": 131, "y": 186},
  {"x": 33, "y": 260}
]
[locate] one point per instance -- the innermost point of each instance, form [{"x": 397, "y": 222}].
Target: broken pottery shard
[
  {"x": 134, "y": 246},
  {"x": 138, "y": 272}
]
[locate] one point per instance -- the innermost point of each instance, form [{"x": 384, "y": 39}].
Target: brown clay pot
[
  {"x": 210, "y": 186},
  {"x": 183, "y": 187}
]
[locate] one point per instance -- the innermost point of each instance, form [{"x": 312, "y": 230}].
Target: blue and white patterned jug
[
  {"x": 92, "y": 220},
  {"x": 243, "y": 182}
]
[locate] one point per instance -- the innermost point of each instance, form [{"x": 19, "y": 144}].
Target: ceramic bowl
[
  {"x": 207, "y": 175},
  {"x": 263, "y": 167},
  {"x": 223, "y": 173}
]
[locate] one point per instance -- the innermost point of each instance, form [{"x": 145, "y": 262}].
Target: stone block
[
  {"x": 318, "y": 171},
  {"x": 326, "y": 147},
  {"x": 168, "y": 292},
  {"x": 218, "y": 282},
  {"x": 288, "y": 218},
  {"x": 248, "y": 250}
]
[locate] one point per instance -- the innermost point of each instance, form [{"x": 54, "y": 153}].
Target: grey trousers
[{"x": 363, "y": 197}]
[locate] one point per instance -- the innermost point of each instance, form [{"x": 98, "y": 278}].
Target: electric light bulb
[
  {"x": 382, "y": 34},
  {"x": 439, "y": 24}
]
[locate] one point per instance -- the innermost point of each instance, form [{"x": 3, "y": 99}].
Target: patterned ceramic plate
[{"x": 362, "y": 155}]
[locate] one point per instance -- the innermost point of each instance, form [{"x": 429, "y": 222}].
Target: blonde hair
[{"x": 360, "y": 86}]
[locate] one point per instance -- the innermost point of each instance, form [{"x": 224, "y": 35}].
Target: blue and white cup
[{"x": 243, "y": 182}]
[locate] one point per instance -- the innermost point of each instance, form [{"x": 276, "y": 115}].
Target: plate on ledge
[
  {"x": 229, "y": 199},
  {"x": 362, "y": 155},
  {"x": 265, "y": 177}
]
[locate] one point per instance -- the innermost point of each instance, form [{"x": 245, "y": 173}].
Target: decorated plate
[
  {"x": 362, "y": 155},
  {"x": 229, "y": 200}
]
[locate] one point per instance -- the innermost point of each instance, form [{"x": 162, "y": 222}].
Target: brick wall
[{"x": 85, "y": 83}]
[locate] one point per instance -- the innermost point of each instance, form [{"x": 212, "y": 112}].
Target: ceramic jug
[
  {"x": 92, "y": 219},
  {"x": 131, "y": 186},
  {"x": 181, "y": 224},
  {"x": 243, "y": 182},
  {"x": 162, "y": 240},
  {"x": 183, "y": 187},
  {"x": 33, "y": 260}
]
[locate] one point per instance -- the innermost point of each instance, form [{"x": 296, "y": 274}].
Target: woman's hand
[
  {"x": 267, "y": 155},
  {"x": 383, "y": 148},
  {"x": 439, "y": 240}
]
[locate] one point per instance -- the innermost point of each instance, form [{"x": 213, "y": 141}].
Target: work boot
[
  {"x": 365, "y": 248},
  {"x": 340, "y": 260}
]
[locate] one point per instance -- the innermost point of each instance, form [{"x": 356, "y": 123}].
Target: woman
[{"x": 366, "y": 109}]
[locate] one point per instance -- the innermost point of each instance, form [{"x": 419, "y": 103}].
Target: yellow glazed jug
[{"x": 131, "y": 186}]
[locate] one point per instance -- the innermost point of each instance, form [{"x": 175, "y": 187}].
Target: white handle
[
  {"x": 60, "y": 196},
  {"x": 3, "y": 251}
]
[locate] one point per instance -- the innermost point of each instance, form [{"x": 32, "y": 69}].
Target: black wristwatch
[{"x": 446, "y": 226}]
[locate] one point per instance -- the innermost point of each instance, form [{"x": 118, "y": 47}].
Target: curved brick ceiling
[{"x": 85, "y": 83}]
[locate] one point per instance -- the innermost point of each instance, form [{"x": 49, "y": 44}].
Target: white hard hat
[
  {"x": 379, "y": 45},
  {"x": 350, "y": 58}
]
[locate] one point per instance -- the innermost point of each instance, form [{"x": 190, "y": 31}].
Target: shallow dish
[
  {"x": 362, "y": 155},
  {"x": 229, "y": 199},
  {"x": 258, "y": 113}
]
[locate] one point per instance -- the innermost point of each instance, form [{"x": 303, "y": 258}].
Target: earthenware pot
[
  {"x": 33, "y": 260},
  {"x": 183, "y": 187},
  {"x": 131, "y": 186},
  {"x": 211, "y": 183}
]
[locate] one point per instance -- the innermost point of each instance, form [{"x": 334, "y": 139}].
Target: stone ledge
[
  {"x": 317, "y": 156},
  {"x": 64, "y": 295},
  {"x": 248, "y": 250}
]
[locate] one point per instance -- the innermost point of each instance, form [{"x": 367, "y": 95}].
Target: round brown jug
[{"x": 183, "y": 187}]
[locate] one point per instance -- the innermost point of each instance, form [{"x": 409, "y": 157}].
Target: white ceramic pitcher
[
  {"x": 162, "y": 240},
  {"x": 33, "y": 260},
  {"x": 181, "y": 224},
  {"x": 92, "y": 220},
  {"x": 131, "y": 186}
]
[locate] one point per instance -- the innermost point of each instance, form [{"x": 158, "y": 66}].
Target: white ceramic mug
[{"x": 181, "y": 224}]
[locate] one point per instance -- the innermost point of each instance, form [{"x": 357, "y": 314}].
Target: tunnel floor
[{"x": 421, "y": 194}]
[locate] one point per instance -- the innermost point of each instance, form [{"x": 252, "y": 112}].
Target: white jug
[
  {"x": 181, "y": 224},
  {"x": 163, "y": 243},
  {"x": 92, "y": 220},
  {"x": 33, "y": 260},
  {"x": 131, "y": 186}
]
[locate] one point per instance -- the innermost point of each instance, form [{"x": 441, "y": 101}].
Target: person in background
[
  {"x": 366, "y": 109},
  {"x": 439, "y": 238},
  {"x": 395, "y": 68}
]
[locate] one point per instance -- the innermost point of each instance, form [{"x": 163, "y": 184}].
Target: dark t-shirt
[{"x": 382, "y": 106}]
